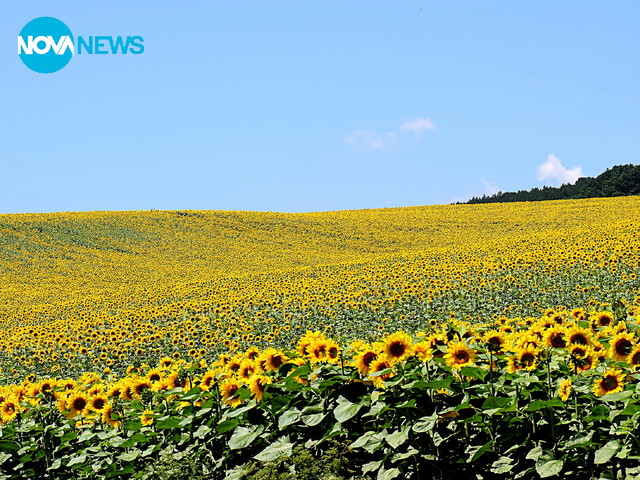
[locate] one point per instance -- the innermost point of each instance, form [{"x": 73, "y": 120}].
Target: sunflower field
[{"x": 456, "y": 341}]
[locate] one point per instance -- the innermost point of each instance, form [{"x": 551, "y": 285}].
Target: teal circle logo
[{"x": 45, "y": 45}]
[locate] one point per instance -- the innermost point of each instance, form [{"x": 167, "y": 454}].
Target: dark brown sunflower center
[
  {"x": 604, "y": 321},
  {"x": 98, "y": 403},
  {"x": 368, "y": 357},
  {"x": 623, "y": 347},
  {"x": 462, "y": 357},
  {"x": 578, "y": 338},
  {"x": 527, "y": 359},
  {"x": 397, "y": 349},
  {"x": 495, "y": 344},
  {"x": 578, "y": 352},
  {"x": 609, "y": 383},
  {"x": 557, "y": 341},
  {"x": 141, "y": 387},
  {"x": 79, "y": 404},
  {"x": 277, "y": 360}
]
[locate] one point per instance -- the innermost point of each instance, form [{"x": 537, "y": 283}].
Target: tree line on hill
[{"x": 614, "y": 182}]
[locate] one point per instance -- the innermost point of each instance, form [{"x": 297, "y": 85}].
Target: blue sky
[{"x": 282, "y": 106}]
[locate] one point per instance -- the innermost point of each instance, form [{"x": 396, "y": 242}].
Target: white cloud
[
  {"x": 490, "y": 188},
  {"x": 418, "y": 125},
  {"x": 553, "y": 169},
  {"x": 370, "y": 141}
]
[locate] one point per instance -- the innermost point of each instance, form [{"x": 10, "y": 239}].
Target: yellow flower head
[
  {"x": 9, "y": 409},
  {"x": 272, "y": 359},
  {"x": 147, "y": 417},
  {"x": 229, "y": 389},
  {"x": 578, "y": 336},
  {"x": 527, "y": 357},
  {"x": 459, "y": 355},
  {"x": 378, "y": 365},
  {"x": 611, "y": 382},
  {"x": 565, "y": 390},
  {"x": 364, "y": 359},
  {"x": 495, "y": 340},
  {"x": 554, "y": 337},
  {"x": 621, "y": 345},
  {"x": 602, "y": 319},
  {"x": 398, "y": 347},
  {"x": 257, "y": 385}
]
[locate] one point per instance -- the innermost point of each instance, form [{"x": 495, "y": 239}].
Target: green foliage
[
  {"x": 428, "y": 422},
  {"x": 331, "y": 463},
  {"x": 614, "y": 182}
]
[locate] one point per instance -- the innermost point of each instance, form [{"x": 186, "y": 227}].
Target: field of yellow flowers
[{"x": 482, "y": 341}]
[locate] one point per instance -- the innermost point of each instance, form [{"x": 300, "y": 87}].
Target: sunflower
[
  {"x": 247, "y": 369},
  {"x": 378, "y": 365},
  {"x": 229, "y": 389},
  {"x": 207, "y": 380},
  {"x": 110, "y": 417},
  {"x": 77, "y": 404},
  {"x": 272, "y": 359},
  {"x": 621, "y": 346},
  {"x": 115, "y": 390},
  {"x": 578, "y": 336},
  {"x": 634, "y": 357},
  {"x": 554, "y": 337},
  {"x": 147, "y": 417},
  {"x": 437, "y": 341},
  {"x": 398, "y": 346},
  {"x": 528, "y": 340},
  {"x": 98, "y": 402},
  {"x": 602, "y": 319},
  {"x": 527, "y": 357},
  {"x": 495, "y": 341},
  {"x": 46, "y": 386},
  {"x": 234, "y": 364},
  {"x": 257, "y": 384},
  {"x": 422, "y": 350},
  {"x": 300, "y": 362},
  {"x": 317, "y": 350},
  {"x": 364, "y": 359},
  {"x": 138, "y": 386},
  {"x": 9, "y": 409},
  {"x": 611, "y": 382},
  {"x": 459, "y": 355},
  {"x": 154, "y": 375},
  {"x": 620, "y": 328},
  {"x": 565, "y": 390},
  {"x": 252, "y": 353},
  {"x": 306, "y": 340},
  {"x": 586, "y": 362},
  {"x": 578, "y": 352},
  {"x": 578, "y": 314},
  {"x": 333, "y": 352},
  {"x": 95, "y": 389},
  {"x": 174, "y": 380},
  {"x": 166, "y": 362}
]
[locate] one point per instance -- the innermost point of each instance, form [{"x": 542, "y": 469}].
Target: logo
[{"x": 46, "y": 45}]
